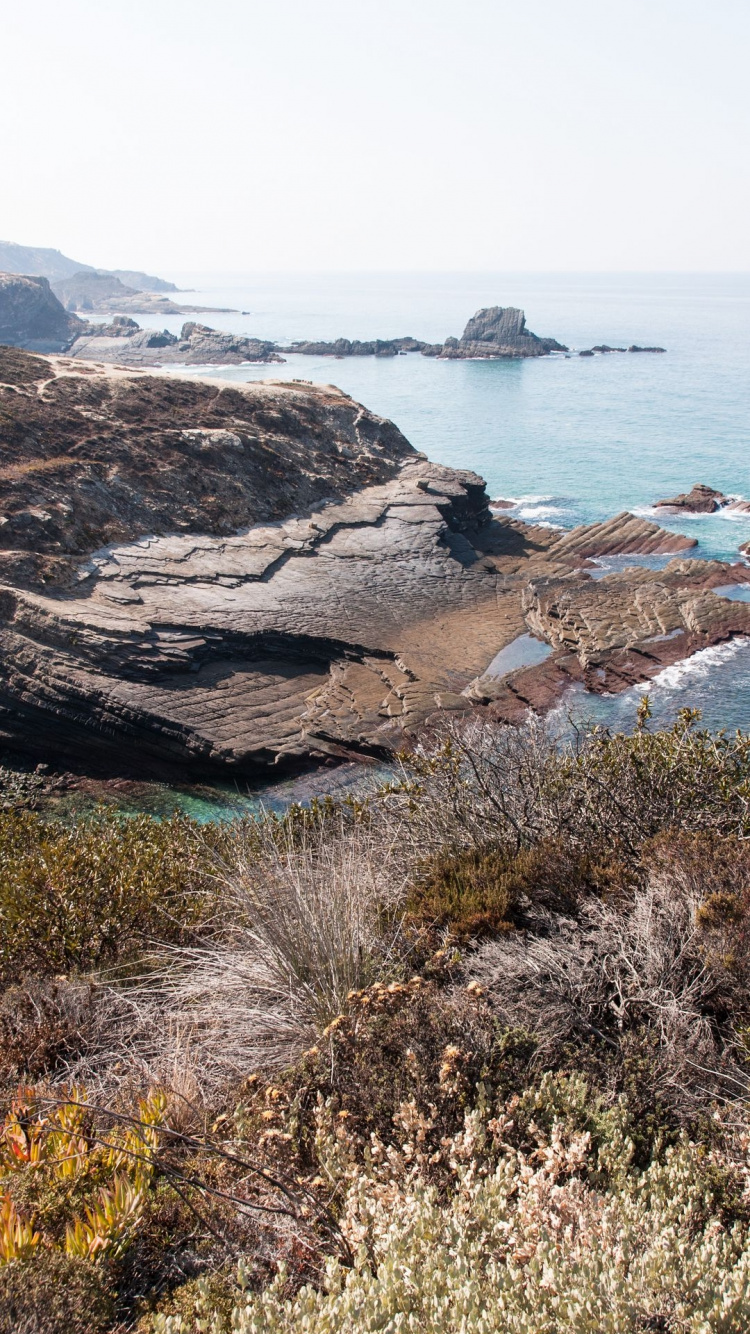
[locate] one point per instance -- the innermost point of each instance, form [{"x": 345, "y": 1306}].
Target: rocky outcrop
[
  {"x": 700, "y": 500},
  {"x": 104, "y": 294},
  {"x": 624, "y": 535},
  {"x": 32, "y": 317},
  {"x": 347, "y": 347},
  {"x": 206, "y": 578},
  {"x": 494, "y": 332},
  {"x": 123, "y": 342}
]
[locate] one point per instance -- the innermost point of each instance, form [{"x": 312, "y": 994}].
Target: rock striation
[
  {"x": 201, "y": 578},
  {"x": 624, "y": 535},
  {"x": 32, "y": 317},
  {"x": 497, "y": 332}
]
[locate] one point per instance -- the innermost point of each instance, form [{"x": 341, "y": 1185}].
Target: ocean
[{"x": 571, "y": 439}]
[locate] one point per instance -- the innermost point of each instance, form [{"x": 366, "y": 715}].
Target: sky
[{"x": 320, "y": 135}]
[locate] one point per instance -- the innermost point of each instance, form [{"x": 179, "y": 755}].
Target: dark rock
[
  {"x": 31, "y": 315},
  {"x": 623, "y": 535},
  {"x": 602, "y": 347},
  {"x": 213, "y": 579},
  {"x": 498, "y": 331},
  {"x": 586, "y": 353},
  {"x": 347, "y": 347},
  {"x": 701, "y": 500},
  {"x": 635, "y": 348}
]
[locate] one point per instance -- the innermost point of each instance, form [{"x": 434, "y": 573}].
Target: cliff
[{"x": 31, "y": 315}]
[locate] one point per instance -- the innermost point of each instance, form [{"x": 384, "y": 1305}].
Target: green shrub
[
  {"x": 79, "y": 896},
  {"x": 486, "y": 890}
]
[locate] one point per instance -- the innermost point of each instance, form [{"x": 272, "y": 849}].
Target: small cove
[{"x": 571, "y": 440}]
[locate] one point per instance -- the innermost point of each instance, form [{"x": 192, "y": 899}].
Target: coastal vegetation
[{"x": 471, "y": 1053}]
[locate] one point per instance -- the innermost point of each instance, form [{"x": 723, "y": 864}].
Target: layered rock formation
[
  {"x": 198, "y": 578},
  {"x": 497, "y": 332},
  {"x": 32, "y": 317},
  {"x": 123, "y": 342}
]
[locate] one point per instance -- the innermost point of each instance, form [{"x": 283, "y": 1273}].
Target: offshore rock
[
  {"x": 498, "y": 331},
  {"x": 347, "y": 347},
  {"x": 624, "y": 535},
  {"x": 700, "y": 500},
  {"x": 31, "y": 315}
]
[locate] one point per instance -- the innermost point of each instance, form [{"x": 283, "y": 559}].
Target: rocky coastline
[
  {"x": 43, "y": 318},
  {"x": 214, "y": 579},
  {"x": 124, "y": 343}
]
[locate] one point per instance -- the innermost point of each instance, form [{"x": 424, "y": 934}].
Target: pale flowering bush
[{"x": 566, "y": 1237}]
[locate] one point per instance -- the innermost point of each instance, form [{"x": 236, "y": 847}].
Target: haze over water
[{"x": 574, "y": 439}]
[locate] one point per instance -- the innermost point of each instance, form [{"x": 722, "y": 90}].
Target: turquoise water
[
  {"x": 571, "y": 439},
  {"x": 577, "y": 439}
]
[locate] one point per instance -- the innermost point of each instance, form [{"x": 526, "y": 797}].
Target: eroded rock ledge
[{"x": 200, "y": 578}]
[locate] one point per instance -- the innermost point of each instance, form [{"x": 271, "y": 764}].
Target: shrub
[
  {"x": 52, "y": 1293},
  {"x": 45, "y": 1024},
  {"x": 486, "y": 890},
  {"x": 410, "y": 1043},
  {"x": 79, "y": 896},
  {"x": 479, "y": 781},
  {"x": 565, "y": 1237},
  {"x": 307, "y": 912},
  {"x": 658, "y": 975}
]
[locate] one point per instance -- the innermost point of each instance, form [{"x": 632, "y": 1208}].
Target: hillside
[{"x": 52, "y": 264}]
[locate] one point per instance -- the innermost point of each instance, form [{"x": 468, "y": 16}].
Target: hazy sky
[{"x": 241, "y": 135}]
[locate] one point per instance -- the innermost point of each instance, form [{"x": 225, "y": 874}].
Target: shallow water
[{"x": 524, "y": 651}]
